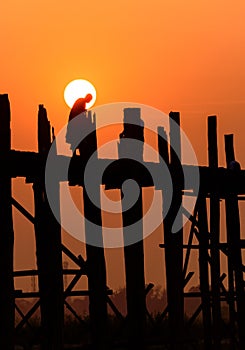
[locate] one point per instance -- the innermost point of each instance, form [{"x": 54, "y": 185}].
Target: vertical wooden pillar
[
  {"x": 96, "y": 267},
  {"x": 135, "y": 278},
  {"x": 163, "y": 145},
  {"x": 131, "y": 146},
  {"x": 174, "y": 240},
  {"x": 6, "y": 237},
  {"x": 48, "y": 251},
  {"x": 230, "y": 156},
  {"x": 234, "y": 252},
  {"x": 204, "y": 271},
  {"x": 215, "y": 233}
]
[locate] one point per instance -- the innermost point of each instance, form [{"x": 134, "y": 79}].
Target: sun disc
[{"x": 79, "y": 88}]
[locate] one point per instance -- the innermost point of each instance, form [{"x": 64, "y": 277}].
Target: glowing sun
[{"x": 79, "y": 88}]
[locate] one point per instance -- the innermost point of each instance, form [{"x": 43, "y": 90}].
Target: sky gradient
[{"x": 185, "y": 56}]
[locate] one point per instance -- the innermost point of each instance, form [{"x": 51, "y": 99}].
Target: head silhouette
[
  {"x": 80, "y": 106},
  {"x": 88, "y": 98}
]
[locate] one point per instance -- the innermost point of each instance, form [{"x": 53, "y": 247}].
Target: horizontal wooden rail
[{"x": 31, "y": 165}]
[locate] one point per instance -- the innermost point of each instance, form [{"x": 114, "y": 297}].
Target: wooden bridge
[{"x": 216, "y": 184}]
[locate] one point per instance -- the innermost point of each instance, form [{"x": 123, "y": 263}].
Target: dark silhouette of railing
[{"x": 215, "y": 184}]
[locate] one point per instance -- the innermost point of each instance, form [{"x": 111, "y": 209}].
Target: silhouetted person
[
  {"x": 79, "y": 106},
  {"x": 77, "y": 126}
]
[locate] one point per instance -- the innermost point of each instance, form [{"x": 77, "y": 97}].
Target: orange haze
[{"x": 186, "y": 56}]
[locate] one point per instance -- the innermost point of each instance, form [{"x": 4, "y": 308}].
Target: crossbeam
[{"x": 32, "y": 165}]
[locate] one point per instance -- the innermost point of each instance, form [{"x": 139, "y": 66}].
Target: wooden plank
[
  {"x": 96, "y": 272},
  {"x": 234, "y": 254},
  {"x": 189, "y": 246},
  {"x": 27, "y": 316},
  {"x": 214, "y": 233},
  {"x": 174, "y": 241},
  {"x": 6, "y": 237},
  {"x": 230, "y": 156},
  {"x": 163, "y": 145},
  {"x": 95, "y": 263},
  {"x": 135, "y": 279},
  {"x": 165, "y": 311},
  {"x": 48, "y": 250},
  {"x": 133, "y": 227},
  {"x": 31, "y": 164},
  {"x": 22, "y": 210},
  {"x": 204, "y": 271}
]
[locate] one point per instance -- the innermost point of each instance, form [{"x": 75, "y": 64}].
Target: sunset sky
[{"x": 186, "y": 56}]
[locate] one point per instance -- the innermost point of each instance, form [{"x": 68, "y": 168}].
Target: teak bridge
[{"x": 216, "y": 184}]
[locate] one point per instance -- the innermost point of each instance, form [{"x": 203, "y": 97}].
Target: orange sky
[{"x": 186, "y": 56}]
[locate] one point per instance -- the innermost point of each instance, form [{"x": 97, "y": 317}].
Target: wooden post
[
  {"x": 163, "y": 145},
  {"x": 230, "y": 156},
  {"x": 174, "y": 240},
  {"x": 133, "y": 227},
  {"x": 214, "y": 234},
  {"x": 48, "y": 251},
  {"x": 204, "y": 271},
  {"x": 96, "y": 267},
  {"x": 234, "y": 252},
  {"x": 96, "y": 272},
  {"x": 6, "y": 236},
  {"x": 135, "y": 279}
]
